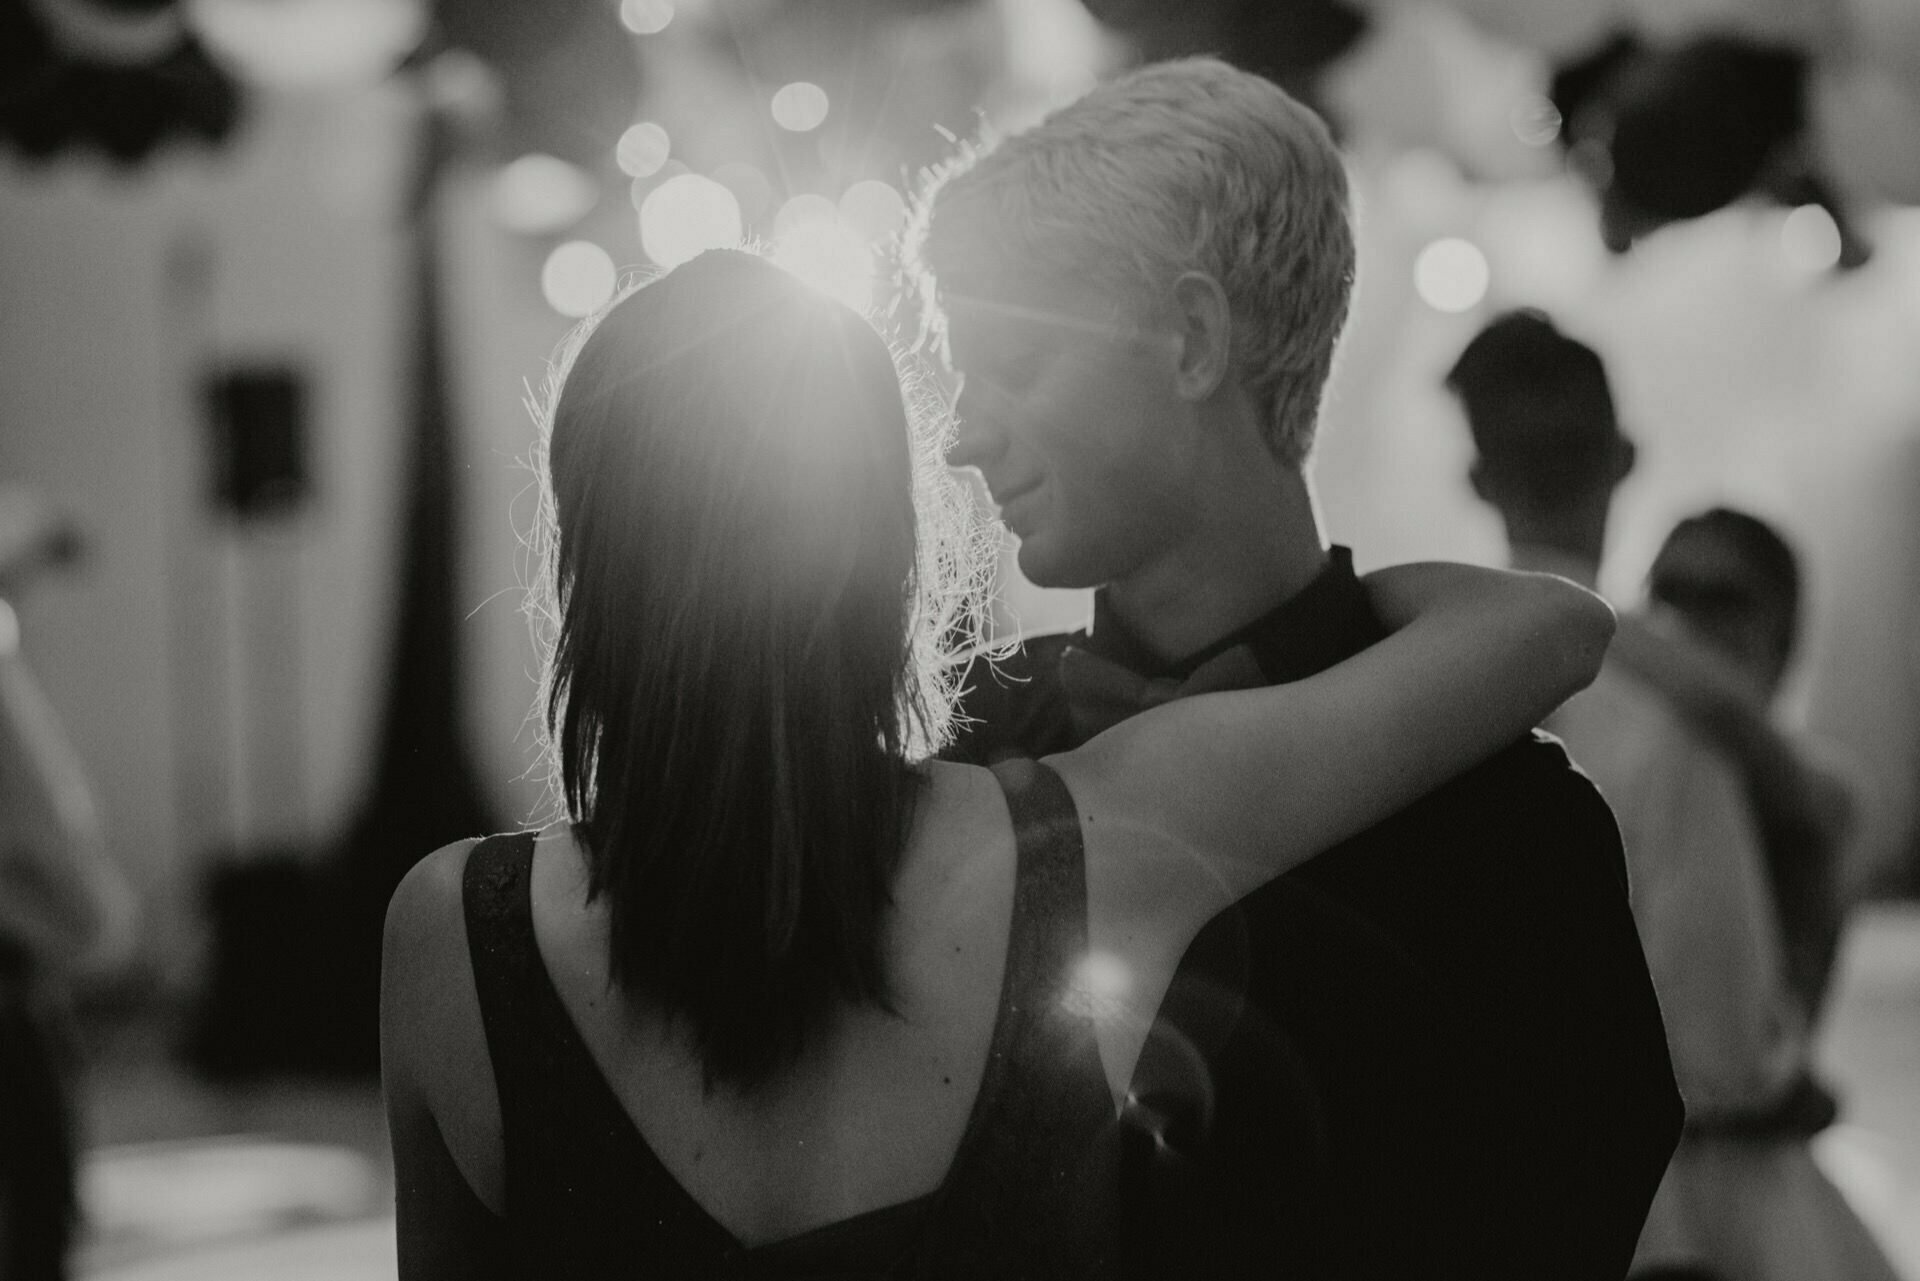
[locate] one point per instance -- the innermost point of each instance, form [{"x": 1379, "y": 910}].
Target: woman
[
  {"x": 1742, "y": 927},
  {"x": 785, "y": 998}
]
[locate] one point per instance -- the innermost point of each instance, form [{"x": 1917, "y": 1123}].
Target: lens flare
[{"x": 873, "y": 210}]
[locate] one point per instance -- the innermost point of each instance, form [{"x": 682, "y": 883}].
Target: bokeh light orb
[
  {"x": 685, "y": 216},
  {"x": 578, "y": 278},
  {"x": 643, "y": 149},
  {"x": 873, "y": 210},
  {"x": 802, "y": 210},
  {"x": 646, "y": 17},
  {"x": 800, "y": 106},
  {"x": 1451, "y": 274},
  {"x": 1810, "y": 239},
  {"x": 540, "y": 194}
]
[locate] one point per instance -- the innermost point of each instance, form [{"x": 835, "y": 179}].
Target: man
[
  {"x": 1434, "y": 1050},
  {"x": 1726, "y": 828}
]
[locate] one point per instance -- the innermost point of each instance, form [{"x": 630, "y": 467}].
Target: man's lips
[{"x": 1006, "y": 496}]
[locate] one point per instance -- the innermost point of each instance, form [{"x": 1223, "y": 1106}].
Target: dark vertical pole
[{"x": 425, "y": 791}]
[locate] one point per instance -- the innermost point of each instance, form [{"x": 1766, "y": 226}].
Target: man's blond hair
[{"x": 1188, "y": 165}]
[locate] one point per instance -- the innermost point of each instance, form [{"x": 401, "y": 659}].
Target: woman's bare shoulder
[
  {"x": 433, "y": 1050},
  {"x": 426, "y": 913}
]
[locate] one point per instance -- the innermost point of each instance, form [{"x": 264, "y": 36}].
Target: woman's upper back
[{"x": 985, "y": 1095}]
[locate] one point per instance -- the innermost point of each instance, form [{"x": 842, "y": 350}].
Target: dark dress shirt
[{"x": 1432, "y": 1051}]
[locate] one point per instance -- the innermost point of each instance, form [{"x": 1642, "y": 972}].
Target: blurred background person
[
  {"x": 65, "y": 911},
  {"x": 1676, "y": 737}
]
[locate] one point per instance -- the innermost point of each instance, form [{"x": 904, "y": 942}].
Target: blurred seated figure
[
  {"x": 1743, "y": 1197},
  {"x": 64, "y": 909},
  {"x": 782, "y": 996},
  {"x": 1731, "y": 888},
  {"x": 1718, "y": 641}
]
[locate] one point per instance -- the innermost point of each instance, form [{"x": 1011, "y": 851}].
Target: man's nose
[{"x": 978, "y": 438}]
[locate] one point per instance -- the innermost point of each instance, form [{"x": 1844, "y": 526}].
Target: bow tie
[{"x": 1101, "y": 693}]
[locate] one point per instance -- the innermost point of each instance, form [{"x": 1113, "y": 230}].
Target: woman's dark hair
[{"x": 750, "y": 609}]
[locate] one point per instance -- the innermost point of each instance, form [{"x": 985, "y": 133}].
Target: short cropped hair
[
  {"x": 1760, "y": 548},
  {"x": 1539, "y": 407},
  {"x": 754, "y": 565},
  {"x": 1177, "y": 166}
]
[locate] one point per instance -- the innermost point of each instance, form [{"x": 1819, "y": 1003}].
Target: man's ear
[
  {"x": 1625, "y": 454},
  {"x": 1204, "y": 327},
  {"x": 1482, "y": 486}
]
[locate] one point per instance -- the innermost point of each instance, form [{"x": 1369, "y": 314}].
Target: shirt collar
[{"x": 1327, "y": 620}]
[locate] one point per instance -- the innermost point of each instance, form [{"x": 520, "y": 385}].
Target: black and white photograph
[{"x": 960, "y": 640}]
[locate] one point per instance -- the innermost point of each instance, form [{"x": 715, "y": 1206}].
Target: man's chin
[{"x": 1043, "y": 566}]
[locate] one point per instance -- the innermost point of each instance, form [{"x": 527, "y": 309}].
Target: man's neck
[
  {"x": 1251, "y": 554},
  {"x": 1567, "y": 541}
]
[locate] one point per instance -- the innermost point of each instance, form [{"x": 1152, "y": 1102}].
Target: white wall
[{"x": 224, "y": 686}]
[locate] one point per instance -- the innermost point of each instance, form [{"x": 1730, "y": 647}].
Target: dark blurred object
[
  {"x": 1693, "y": 128},
  {"x": 425, "y": 790},
  {"x": 257, "y": 416},
  {"x": 1670, "y": 134},
  {"x": 273, "y": 1002},
  {"x": 37, "y": 1139},
  {"x": 295, "y": 981},
  {"x": 568, "y": 71},
  {"x": 119, "y": 76},
  {"x": 1288, "y": 41},
  {"x": 34, "y": 538}
]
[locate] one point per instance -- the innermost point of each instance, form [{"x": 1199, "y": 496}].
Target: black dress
[
  {"x": 1432, "y": 1051},
  {"x": 1030, "y": 1191}
]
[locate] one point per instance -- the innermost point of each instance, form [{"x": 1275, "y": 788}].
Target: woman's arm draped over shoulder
[
  {"x": 429, "y": 1016},
  {"x": 1207, "y": 798}
]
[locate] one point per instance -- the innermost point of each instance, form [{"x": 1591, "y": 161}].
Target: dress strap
[
  {"x": 497, "y": 897},
  {"x": 1031, "y": 1191}
]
